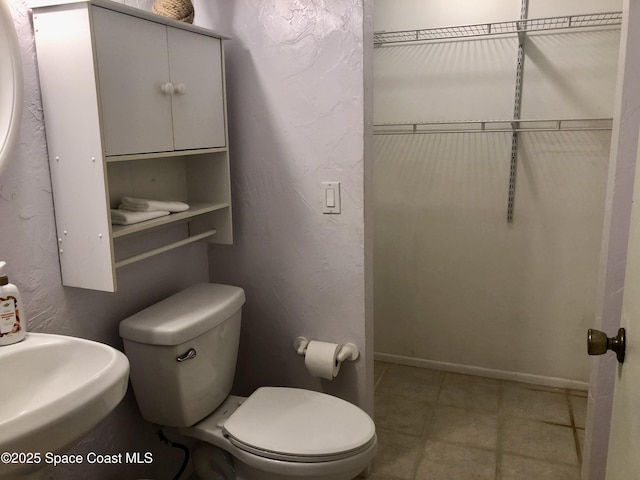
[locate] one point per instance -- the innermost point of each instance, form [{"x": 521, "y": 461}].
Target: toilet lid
[{"x": 294, "y": 424}]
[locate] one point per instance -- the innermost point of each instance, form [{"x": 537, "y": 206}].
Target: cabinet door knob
[
  {"x": 181, "y": 89},
  {"x": 167, "y": 88}
]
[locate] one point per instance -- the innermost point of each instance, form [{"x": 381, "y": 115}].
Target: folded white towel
[
  {"x": 144, "y": 205},
  {"x": 127, "y": 217}
]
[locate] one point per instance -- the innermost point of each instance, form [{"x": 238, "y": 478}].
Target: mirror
[{"x": 10, "y": 85}]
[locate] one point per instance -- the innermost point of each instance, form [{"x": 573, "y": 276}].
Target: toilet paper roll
[{"x": 321, "y": 359}]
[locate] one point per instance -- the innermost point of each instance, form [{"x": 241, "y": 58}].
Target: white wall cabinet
[
  {"x": 134, "y": 105},
  {"x": 160, "y": 86}
]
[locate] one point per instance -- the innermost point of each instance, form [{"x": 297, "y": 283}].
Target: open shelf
[
  {"x": 154, "y": 155},
  {"x": 195, "y": 210},
  {"x": 499, "y": 28}
]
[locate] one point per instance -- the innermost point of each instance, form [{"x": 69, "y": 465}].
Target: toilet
[{"x": 182, "y": 353}]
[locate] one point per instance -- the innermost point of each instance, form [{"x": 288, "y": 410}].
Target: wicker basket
[{"x": 179, "y": 9}]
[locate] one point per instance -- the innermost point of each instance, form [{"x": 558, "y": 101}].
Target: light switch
[
  {"x": 330, "y": 197},
  {"x": 331, "y": 201}
]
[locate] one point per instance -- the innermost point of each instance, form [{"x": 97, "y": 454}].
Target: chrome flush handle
[{"x": 188, "y": 355}]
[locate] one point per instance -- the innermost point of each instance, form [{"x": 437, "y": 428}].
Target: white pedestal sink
[{"x": 53, "y": 390}]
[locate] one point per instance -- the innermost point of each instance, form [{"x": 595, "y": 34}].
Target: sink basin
[{"x": 54, "y": 390}]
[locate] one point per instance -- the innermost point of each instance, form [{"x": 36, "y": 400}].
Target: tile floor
[{"x": 435, "y": 425}]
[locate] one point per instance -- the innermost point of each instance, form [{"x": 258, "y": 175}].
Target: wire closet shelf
[
  {"x": 500, "y": 28},
  {"x": 494, "y": 126}
]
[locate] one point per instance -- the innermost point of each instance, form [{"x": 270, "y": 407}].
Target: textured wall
[{"x": 296, "y": 100}]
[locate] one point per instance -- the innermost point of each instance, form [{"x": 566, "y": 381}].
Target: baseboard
[{"x": 482, "y": 372}]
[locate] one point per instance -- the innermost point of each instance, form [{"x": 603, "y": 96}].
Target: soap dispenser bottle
[{"x": 13, "y": 325}]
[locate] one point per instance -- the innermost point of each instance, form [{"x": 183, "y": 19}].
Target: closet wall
[{"x": 457, "y": 286}]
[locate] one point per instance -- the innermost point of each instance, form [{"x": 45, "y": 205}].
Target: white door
[{"x": 623, "y": 462}]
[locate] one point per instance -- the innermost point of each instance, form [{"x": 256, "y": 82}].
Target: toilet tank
[{"x": 183, "y": 352}]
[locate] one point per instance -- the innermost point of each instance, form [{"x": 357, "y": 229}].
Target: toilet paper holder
[{"x": 348, "y": 351}]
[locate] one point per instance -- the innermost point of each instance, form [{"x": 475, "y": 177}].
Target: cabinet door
[
  {"x": 132, "y": 60},
  {"x": 198, "y": 106}
]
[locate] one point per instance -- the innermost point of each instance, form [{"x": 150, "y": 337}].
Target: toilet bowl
[
  {"x": 288, "y": 433},
  {"x": 182, "y": 353}
]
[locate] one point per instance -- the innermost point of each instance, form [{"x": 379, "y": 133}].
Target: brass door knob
[{"x": 598, "y": 343}]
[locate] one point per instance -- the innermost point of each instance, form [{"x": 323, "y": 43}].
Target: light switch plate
[{"x": 330, "y": 197}]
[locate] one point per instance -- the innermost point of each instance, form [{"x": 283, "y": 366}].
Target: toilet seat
[{"x": 298, "y": 425}]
